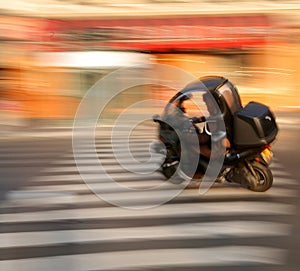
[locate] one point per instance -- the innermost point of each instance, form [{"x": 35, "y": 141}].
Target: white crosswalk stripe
[
  {"x": 162, "y": 258},
  {"x": 195, "y": 230},
  {"x": 57, "y": 223}
]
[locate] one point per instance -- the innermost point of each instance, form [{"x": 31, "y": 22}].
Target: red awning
[{"x": 148, "y": 34}]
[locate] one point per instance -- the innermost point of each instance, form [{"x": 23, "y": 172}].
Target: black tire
[
  {"x": 264, "y": 178},
  {"x": 171, "y": 158},
  {"x": 168, "y": 172}
]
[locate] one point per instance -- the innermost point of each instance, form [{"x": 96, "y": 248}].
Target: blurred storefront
[{"x": 47, "y": 65}]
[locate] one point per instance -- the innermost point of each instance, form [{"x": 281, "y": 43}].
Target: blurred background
[{"x": 53, "y": 51}]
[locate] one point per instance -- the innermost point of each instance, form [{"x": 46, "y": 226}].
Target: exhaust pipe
[{"x": 233, "y": 158}]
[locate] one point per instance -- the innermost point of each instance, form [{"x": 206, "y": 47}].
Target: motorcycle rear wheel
[{"x": 264, "y": 178}]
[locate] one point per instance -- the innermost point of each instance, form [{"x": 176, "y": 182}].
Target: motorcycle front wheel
[
  {"x": 264, "y": 178},
  {"x": 169, "y": 170}
]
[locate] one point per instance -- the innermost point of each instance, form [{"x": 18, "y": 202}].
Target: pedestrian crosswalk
[{"x": 59, "y": 222}]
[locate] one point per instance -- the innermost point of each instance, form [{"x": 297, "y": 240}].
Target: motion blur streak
[
  {"x": 43, "y": 81},
  {"x": 53, "y": 51}
]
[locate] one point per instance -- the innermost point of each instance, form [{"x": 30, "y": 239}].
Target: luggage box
[{"x": 254, "y": 126}]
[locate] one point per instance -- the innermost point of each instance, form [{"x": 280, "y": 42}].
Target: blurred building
[{"x": 53, "y": 51}]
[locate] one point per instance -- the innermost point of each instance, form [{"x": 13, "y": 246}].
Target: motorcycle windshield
[{"x": 193, "y": 103}]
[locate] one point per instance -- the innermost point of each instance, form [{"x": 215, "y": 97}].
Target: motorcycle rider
[{"x": 205, "y": 136}]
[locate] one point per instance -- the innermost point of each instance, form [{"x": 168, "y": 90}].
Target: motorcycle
[{"x": 237, "y": 137}]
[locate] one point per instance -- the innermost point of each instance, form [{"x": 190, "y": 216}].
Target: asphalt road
[
  {"x": 287, "y": 150},
  {"x": 39, "y": 163}
]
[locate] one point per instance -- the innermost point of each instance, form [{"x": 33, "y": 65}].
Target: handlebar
[{"x": 196, "y": 120}]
